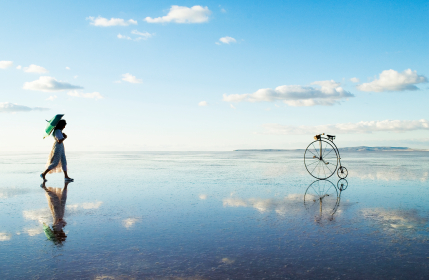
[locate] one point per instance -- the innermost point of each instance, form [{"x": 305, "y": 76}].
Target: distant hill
[{"x": 346, "y": 149}]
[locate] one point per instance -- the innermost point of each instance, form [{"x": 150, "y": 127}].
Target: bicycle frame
[{"x": 331, "y": 140}]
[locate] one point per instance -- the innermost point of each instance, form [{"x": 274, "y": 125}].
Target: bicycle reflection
[
  {"x": 57, "y": 198},
  {"x": 322, "y": 198}
]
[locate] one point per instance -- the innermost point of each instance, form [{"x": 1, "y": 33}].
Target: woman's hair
[{"x": 61, "y": 124}]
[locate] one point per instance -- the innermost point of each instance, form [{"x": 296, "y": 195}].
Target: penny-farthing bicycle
[{"x": 321, "y": 158}]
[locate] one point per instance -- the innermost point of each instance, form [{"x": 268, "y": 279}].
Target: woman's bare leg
[
  {"x": 66, "y": 175},
  {"x": 44, "y": 174}
]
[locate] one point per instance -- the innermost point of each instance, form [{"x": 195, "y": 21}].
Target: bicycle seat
[{"x": 331, "y": 137}]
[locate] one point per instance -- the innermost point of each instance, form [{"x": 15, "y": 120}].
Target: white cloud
[
  {"x": 48, "y": 84},
  {"x": 7, "y": 107},
  {"x": 180, "y": 14},
  {"x": 104, "y": 22},
  {"x": 223, "y": 10},
  {"x": 203, "y": 103},
  {"x": 227, "y": 40},
  {"x": 128, "y": 223},
  {"x": 232, "y": 106},
  {"x": 360, "y": 127},
  {"x": 33, "y": 68},
  {"x": 67, "y": 68},
  {"x": 329, "y": 93},
  {"x": 355, "y": 80},
  {"x": 202, "y": 196},
  {"x": 18, "y": 67},
  {"x": 120, "y": 36},
  {"x": 4, "y": 236},
  {"x": 131, "y": 79},
  {"x": 391, "y": 80},
  {"x": 76, "y": 93},
  {"x": 5, "y": 64},
  {"x": 51, "y": 98},
  {"x": 142, "y": 35}
]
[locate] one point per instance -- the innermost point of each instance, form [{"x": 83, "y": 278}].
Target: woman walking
[{"x": 57, "y": 161}]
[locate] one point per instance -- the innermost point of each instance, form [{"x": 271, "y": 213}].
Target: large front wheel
[{"x": 321, "y": 159}]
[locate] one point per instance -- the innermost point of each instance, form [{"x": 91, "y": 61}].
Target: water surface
[{"x": 215, "y": 215}]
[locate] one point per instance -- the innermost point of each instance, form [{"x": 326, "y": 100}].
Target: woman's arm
[{"x": 59, "y": 141}]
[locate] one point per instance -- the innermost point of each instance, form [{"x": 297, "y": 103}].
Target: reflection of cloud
[
  {"x": 292, "y": 202},
  {"x": 395, "y": 219},
  {"x": 44, "y": 215},
  {"x": 391, "y": 174},
  {"x": 105, "y": 277},
  {"x": 227, "y": 261},
  {"x": 4, "y": 236},
  {"x": 34, "y": 231},
  {"x": 11, "y": 192},
  {"x": 41, "y": 215},
  {"x": 128, "y": 223},
  {"x": 85, "y": 205}
]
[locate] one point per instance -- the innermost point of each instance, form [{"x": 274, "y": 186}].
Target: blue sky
[{"x": 270, "y": 75}]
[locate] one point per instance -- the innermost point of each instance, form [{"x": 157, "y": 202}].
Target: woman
[{"x": 57, "y": 161}]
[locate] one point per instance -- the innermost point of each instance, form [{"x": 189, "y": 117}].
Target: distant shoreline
[{"x": 345, "y": 149}]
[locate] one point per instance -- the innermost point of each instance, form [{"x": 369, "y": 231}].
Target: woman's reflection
[{"x": 57, "y": 202}]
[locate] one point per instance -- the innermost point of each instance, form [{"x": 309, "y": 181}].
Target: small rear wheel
[
  {"x": 342, "y": 184},
  {"x": 342, "y": 172}
]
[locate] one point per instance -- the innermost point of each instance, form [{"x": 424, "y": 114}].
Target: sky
[{"x": 214, "y": 75}]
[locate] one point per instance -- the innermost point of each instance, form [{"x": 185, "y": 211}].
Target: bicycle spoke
[
  {"x": 308, "y": 156},
  {"x": 312, "y": 153},
  {"x": 316, "y": 191},
  {"x": 314, "y": 167},
  {"x": 332, "y": 156},
  {"x": 311, "y": 163},
  {"x": 329, "y": 152},
  {"x": 315, "y": 150},
  {"x": 327, "y": 166}
]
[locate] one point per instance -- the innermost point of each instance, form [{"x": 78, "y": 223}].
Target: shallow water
[{"x": 216, "y": 215}]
